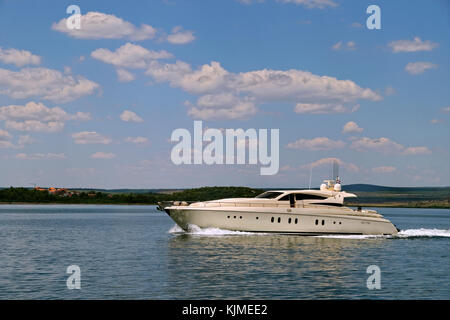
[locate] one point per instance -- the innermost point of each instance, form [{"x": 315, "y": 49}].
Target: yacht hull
[{"x": 302, "y": 221}]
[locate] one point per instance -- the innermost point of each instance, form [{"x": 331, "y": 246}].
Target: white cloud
[
  {"x": 319, "y": 143},
  {"x": 446, "y": 109},
  {"x": 37, "y": 117},
  {"x": 129, "y": 56},
  {"x": 319, "y": 4},
  {"x": 384, "y": 169},
  {"x": 263, "y": 86},
  {"x": 385, "y": 145},
  {"x": 39, "y": 156},
  {"x": 90, "y": 137},
  {"x": 327, "y": 162},
  {"x": 412, "y": 46},
  {"x": 317, "y": 108},
  {"x": 44, "y": 83},
  {"x": 97, "y": 25},
  {"x": 130, "y": 116},
  {"x": 221, "y": 106},
  {"x": 180, "y": 36},
  {"x": 4, "y": 135},
  {"x": 19, "y": 58},
  {"x": 416, "y": 150},
  {"x": 349, "y": 45},
  {"x": 419, "y": 67},
  {"x": 124, "y": 75},
  {"x": 239, "y": 94},
  {"x": 103, "y": 155},
  {"x": 136, "y": 140},
  {"x": 351, "y": 126},
  {"x": 35, "y": 125}
]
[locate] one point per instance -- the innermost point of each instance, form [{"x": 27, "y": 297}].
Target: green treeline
[{"x": 26, "y": 195}]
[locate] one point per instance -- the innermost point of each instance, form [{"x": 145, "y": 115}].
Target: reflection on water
[
  {"x": 133, "y": 252},
  {"x": 266, "y": 266}
]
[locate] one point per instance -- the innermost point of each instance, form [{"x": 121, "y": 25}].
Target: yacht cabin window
[{"x": 269, "y": 195}]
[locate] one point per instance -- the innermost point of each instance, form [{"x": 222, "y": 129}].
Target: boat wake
[
  {"x": 214, "y": 232},
  {"x": 402, "y": 234}
]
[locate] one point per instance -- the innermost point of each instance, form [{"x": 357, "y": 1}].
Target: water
[{"x": 136, "y": 252}]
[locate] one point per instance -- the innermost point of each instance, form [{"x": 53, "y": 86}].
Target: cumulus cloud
[
  {"x": 412, "y": 46},
  {"x": 103, "y": 155},
  {"x": 228, "y": 95},
  {"x": 262, "y": 86},
  {"x": 19, "y": 58},
  {"x": 90, "y": 137},
  {"x": 130, "y": 116},
  {"x": 324, "y": 108},
  {"x": 319, "y": 143},
  {"x": 419, "y": 67},
  {"x": 44, "y": 83},
  {"x": 349, "y": 45},
  {"x": 136, "y": 140},
  {"x": 6, "y": 137},
  {"x": 97, "y": 25},
  {"x": 221, "y": 106},
  {"x": 37, "y": 117},
  {"x": 385, "y": 145},
  {"x": 124, "y": 75},
  {"x": 350, "y": 127},
  {"x": 327, "y": 162},
  {"x": 310, "y": 4},
  {"x": 129, "y": 56},
  {"x": 39, "y": 156},
  {"x": 180, "y": 36}
]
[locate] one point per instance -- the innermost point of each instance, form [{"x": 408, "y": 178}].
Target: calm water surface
[{"x": 135, "y": 252}]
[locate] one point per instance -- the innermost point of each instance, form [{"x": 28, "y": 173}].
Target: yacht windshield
[{"x": 269, "y": 195}]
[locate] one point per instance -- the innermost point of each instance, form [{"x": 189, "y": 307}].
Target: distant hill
[{"x": 368, "y": 195}]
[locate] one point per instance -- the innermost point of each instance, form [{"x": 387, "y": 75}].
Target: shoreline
[{"x": 363, "y": 205}]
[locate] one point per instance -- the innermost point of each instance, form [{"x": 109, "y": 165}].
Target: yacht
[{"x": 302, "y": 212}]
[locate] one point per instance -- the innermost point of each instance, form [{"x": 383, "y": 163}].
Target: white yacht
[{"x": 303, "y": 212}]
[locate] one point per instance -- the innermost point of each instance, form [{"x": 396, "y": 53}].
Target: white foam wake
[
  {"x": 196, "y": 230},
  {"x": 408, "y": 233}
]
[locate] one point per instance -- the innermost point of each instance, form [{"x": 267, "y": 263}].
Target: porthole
[
  {"x": 340, "y": 222},
  {"x": 334, "y": 222},
  {"x": 296, "y": 220},
  {"x": 240, "y": 217},
  {"x": 235, "y": 217},
  {"x": 289, "y": 221},
  {"x": 279, "y": 220},
  {"x": 257, "y": 218},
  {"x": 228, "y": 217},
  {"x": 317, "y": 222},
  {"x": 271, "y": 220},
  {"x": 323, "y": 222}
]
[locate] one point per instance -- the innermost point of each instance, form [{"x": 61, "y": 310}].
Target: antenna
[
  {"x": 335, "y": 170},
  {"x": 310, "y": 176}
]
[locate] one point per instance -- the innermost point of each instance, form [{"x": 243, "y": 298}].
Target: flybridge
[{"x": 210, "y": 147}]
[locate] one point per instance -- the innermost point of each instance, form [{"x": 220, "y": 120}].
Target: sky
[{"x": 95, "y": 107}]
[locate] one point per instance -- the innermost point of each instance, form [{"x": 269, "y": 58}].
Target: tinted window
[
  {"x": 269, "y": 195},
  {"x": 300, "y": 196}
]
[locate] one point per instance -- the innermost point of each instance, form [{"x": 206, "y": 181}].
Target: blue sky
[{"x": 96, "y": 107}]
